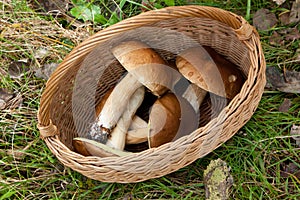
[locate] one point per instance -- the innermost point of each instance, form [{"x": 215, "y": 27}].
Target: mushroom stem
[
  {"x": 138, "y": 131},
  {"x": 195, "y": 96},
  {"x": 113, "y": 108},
  {"x": 136, "y": 136},
  {"x": 118, "y": 134},
  {"x": 137, "y": 123}
]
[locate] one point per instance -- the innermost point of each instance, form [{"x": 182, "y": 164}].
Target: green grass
[{"x": 28, "y": 170}]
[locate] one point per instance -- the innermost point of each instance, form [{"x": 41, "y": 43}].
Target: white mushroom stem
[
  {"x": 118, "y": 134},
  {"x": 195, "y": 96},
  {"x": 113, "y": 108},
  {"x": 137, "y": 123},
  {"x": 137, "y": 132},
  {"x": 137, "y": 136}
]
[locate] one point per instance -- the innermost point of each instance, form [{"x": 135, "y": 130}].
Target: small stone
[{"x": 218, "y": 180}]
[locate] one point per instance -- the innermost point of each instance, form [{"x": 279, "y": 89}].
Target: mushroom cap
[
  {"x": 164, "y": 120},
  {"x": 142, "y": 61},
  {"x": 210, "y": 71},
  {"x": 170, "y": 119}
]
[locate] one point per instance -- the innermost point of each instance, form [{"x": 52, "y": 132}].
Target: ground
[{"x": 263, "y": 156}]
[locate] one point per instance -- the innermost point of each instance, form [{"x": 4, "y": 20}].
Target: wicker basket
[{"x": 229, "y": 34}]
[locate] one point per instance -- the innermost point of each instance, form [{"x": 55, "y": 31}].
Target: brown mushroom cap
[
  {"x": 143, "y": 62},
  {"x": 210, "y": 71},
  {"x": 170, "y": 119},
  {"x": 164, "y": 120}
]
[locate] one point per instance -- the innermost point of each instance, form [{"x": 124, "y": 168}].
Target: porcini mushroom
[
  {"x": 145, "y": 64},
  {"x": 137, "y": 131},
  {"x": 195, "y": 96},
  {"x": 118, "y": 134},
  {"x": 145, "y": 67},
  {"x": 164, "y": 120},
  {"x": 117, "y": 139},
  {"x": 213, "y": 75},
  {"x": 170, "y": 118},
  {"x": 114, "y": 108}
]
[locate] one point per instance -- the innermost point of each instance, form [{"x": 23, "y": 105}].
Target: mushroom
[
  {"x": 117, "y": 139},
  {"x": 138, "y": 131},
  {"x": 164, "y": 120},
  {"x": 146, "y": 65},
  {"x": 195, "y": 96},
  {"x": 136, "y": 123},
  {"x": 113, "y": 108},
  {"x": 89, "y": 147},
  {"x": 213, "y": 75},
  {"x": 137, "y": 136},
  {"x": 118, "y": 134},
  {"x": 170, "y": 118}
]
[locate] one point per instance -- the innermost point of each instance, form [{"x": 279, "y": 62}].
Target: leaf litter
[
  {"x": 264, "y": 19},
  {"x": 288, "y": 82},
  {"x": 295, "y": 12},
  {"x": 285, "y": 106},
  {"x": 17, "y": 69},
  {"x": 45, "y": 71},
  {"x": 9, "y": 100}
]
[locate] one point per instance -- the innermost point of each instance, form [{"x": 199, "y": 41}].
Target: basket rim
[{"x": 242, "y": 28}]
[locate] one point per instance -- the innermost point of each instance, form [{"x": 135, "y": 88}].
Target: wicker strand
[{"x": 47, "y": 131}]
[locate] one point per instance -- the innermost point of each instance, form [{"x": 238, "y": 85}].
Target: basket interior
[{"x": 82, "y": 86}]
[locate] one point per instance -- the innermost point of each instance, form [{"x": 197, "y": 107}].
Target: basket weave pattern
[{"x": 229, "y": 34}]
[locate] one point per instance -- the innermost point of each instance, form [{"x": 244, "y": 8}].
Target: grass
[{"x": 257, "y": 154}]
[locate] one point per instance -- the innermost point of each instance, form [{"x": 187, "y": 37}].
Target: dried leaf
[
  {"x": 276, "y": 39},
  {"x": 292, "y": 76},
  {"x": 148, "y": 5},
  {"x": 218, "y": 180},
  {"x": 2, "y": 72},
  {"x": 289, "y": 82},
  {"x": 50, "y": 5},
  {"x": 295, "y": 12},
  {"x": 290, "y": 169},
  {"x": 5, "y": 96},
  {"x": 9, "y": 100},
  {"x": 41, "y": 53},
  {"x": 17, "y": 69},
  {"x": 285, "y": 106},
  {"x": 279, "y": 2},
  {"x": 46, "y": 71},
  {"x": 295, "y": 132},
  {"x": 263, "y": 19},
  {"x": 275, "y": 79},
  {"x": 284, "y": 17},
  {"x": 293, "y": 34}
]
